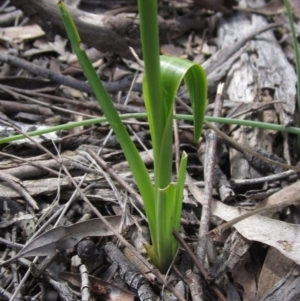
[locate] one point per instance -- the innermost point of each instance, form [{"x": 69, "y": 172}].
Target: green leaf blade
[
  {"x": 165, "y": 210},
  {"x": 163, "y": 201},
  {"x": 173, "y": 71},
  {"x": 195, "y": 80},
  {"x": 131, "y": 153}
]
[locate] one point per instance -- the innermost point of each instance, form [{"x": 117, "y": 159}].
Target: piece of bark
[
  {"x": 129, "y": 274},
  {"x": 262, "y": 66},
  {"x": 217, "y": 5},
  {"x": 217, "y": 66},
  {"x": 209, "y": 164},
  {"x": 272, "y": 8},
  {"x": 234, "y": 249}
]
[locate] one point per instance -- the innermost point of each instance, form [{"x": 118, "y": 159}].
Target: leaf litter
[
  {"x": 263, "y": 251},
  {"x": 281, "y": 235}
]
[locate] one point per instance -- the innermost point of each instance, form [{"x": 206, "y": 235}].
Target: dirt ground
[{"x": 72, "y": 222}]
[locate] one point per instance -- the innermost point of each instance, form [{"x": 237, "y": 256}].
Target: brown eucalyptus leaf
[
  {"x": 63, "y": 238},
  {"x": 276, "y": 266},
  {"x": 106, "y": 290}
]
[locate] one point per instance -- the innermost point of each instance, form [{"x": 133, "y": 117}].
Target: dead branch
[{"x": 106, "y": 32}]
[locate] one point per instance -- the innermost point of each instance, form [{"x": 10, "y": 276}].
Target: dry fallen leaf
[
  {"x": 171, "y": 49},
  {"x": 18, "y": 34},
  {"x": 283, "y": 236},
  {"x": 276, "y": 266},
  {"x": 63, "y": 238},
  {"x": 246, "y": 279},
  {"x": 287, "y": 196}
]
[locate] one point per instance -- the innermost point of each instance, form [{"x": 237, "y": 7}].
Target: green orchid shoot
[{"x": 163, "y": 76}]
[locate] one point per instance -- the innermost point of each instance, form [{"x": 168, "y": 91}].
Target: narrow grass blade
[
  {"x": 135, "y": 162},
  {"x": 89, "y": 122}
]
